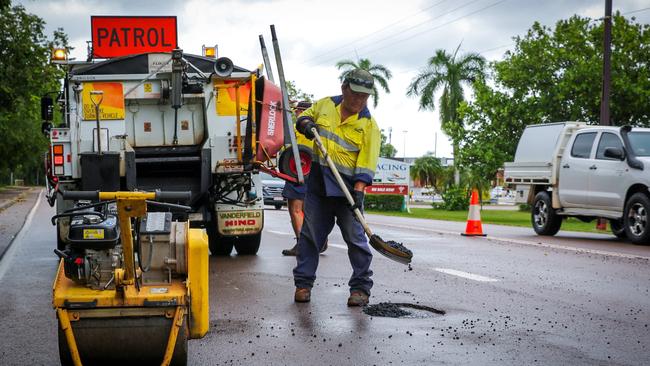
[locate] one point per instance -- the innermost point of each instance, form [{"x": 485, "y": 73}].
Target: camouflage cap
[{"x": 360, "y": 81}]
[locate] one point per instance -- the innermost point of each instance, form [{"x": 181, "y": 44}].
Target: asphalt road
[{"x": 510, "y": 299}]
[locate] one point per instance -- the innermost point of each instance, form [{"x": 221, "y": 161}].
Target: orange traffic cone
[{"x": 474, "y": 227}]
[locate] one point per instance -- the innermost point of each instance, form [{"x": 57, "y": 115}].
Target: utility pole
[{"x": 607, "y": 50}]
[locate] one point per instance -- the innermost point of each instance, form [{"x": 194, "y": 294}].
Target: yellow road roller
[{"x": 132, "y": 284}]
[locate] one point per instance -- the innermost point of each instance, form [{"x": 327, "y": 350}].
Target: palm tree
[
  {"x": 379, "y": 72},
  {"x": 446, "y": 72},
  {"x": 428, "y": 171}
]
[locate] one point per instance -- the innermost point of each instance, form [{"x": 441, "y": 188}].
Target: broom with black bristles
[{"x": 391, "y": 249}]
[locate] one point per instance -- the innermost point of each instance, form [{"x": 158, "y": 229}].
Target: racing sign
[
  {"x": 112, "y": 101},
  {"x": 114, "y": 36},
  {"x": 392, "y": 171}
]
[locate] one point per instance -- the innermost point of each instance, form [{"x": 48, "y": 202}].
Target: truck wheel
[
  {"x": 637, "y": 222},
  {"x": 545, "y": 220},
  {"x": 248, "y": 245},
  {"x": 219, "y": 245},
  {"x": 618, "y": 228}
]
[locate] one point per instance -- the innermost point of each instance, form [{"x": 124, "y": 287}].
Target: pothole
[{"x": 401, "y": 310}]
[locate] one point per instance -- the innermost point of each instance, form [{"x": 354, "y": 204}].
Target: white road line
[
  {"x": 469, "y": 276},
  {"x": 9, "y": 254},
  {"x": 522, "y": 242},
  {"x": 340, "y": 246},
  {"x": 279, "y": 232}
]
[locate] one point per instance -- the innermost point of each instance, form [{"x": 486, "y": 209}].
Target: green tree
[
  {"x": 386, "y": 150},
  {"x": 557, "y": 72},
  {"x": 429, "y": 171},
  {"x": 25, "y": 76},
  {"x": 379, "y": 72},
  {"x": 555, "y": 75},
  {"x": 448, "y": 73},
  {"x": 296, "y": 94}
]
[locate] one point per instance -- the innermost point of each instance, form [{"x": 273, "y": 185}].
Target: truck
[
  {"x": 145, "y": 116},
  {"x": 572, "y": 169}
]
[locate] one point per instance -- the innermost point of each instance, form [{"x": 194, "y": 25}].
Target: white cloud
[{"x": 314, "y": 34}]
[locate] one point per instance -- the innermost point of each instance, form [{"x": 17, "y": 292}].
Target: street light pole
[
  {"x": 435, "y": 146},
  {"x": 404, "y": 152}
]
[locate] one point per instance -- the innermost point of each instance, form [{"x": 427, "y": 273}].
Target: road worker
[{"x": 352, "y": 139}]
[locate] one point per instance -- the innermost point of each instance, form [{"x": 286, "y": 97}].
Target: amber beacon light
[{"x": 59, "y": 55}]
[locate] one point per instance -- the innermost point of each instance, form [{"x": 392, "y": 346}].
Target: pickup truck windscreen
[{"x": 640, "y": 142}]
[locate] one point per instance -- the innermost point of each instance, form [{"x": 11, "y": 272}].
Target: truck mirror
[
  {"x": 47, "y": 109},
  {"x": 615, "y": 153}
]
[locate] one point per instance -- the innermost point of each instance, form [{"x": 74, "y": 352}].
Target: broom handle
[{"x": 339, "y": 180}]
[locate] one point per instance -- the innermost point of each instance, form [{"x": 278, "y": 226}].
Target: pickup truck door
[
  {"x": 574, "y": 171},
  {"x": 607, "y": 177}
]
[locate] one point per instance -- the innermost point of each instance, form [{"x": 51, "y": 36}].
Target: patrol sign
[{"x": 115, "y": 36}]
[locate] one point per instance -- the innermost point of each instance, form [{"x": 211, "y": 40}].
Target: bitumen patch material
[
  {"x": 15, "y": 204},
  {"x": 397, "y": 310}
]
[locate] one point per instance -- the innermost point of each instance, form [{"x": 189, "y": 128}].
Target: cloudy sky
[{"x": 315, "y": 34}]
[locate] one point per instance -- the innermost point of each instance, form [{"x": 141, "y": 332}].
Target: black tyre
[
  {"x": 618, "y": 228},
  {"x": 220, "y": 245},
  {"x": 636, "y": 218},
  {"x": 287, "y": 164},
  {"x": 543, "y": 217},
  {"x": 248, "y": 245}
]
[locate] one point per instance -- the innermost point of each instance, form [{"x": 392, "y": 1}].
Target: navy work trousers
[{"x": 320, "y": 214}]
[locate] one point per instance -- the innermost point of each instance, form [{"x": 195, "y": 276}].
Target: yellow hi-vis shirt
[{"x": 352, "y": 144}]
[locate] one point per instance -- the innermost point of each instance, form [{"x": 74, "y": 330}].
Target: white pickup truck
[{"x": 588, "y": 172}]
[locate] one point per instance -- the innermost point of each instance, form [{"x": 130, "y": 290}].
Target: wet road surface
[{"x": 506, "y": 303}]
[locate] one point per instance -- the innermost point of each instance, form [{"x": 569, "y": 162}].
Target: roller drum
[{"x": 124, "y": 341}]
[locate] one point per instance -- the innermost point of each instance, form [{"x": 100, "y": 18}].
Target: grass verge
[{"x": 498, "y": 217}]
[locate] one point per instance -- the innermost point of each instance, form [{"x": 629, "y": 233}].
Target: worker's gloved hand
[
  {"x": 305, "y": 125},
  {"x": 358, "y": 199}
]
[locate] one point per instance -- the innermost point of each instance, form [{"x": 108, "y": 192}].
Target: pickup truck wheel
[
  {"x": 248, "y": 245},
  {"x": 637, "y": 221},
  {"x": 545, "y": 220},
  {"x": 618, "y": 228}
]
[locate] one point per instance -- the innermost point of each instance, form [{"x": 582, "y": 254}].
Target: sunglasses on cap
[{"x": 360, "y": 82}]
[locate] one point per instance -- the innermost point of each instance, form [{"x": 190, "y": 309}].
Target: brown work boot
[
  {"x": 358, "y": 298},
  {"x": 291, "y": 252},
  {"x": 324, "y": 248},
  {"x": 302, "y": 295}
]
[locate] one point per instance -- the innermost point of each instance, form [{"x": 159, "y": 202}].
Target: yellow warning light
[
  {"x": 210, "y": 51},
  {"x": 59, "y": 54}
]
